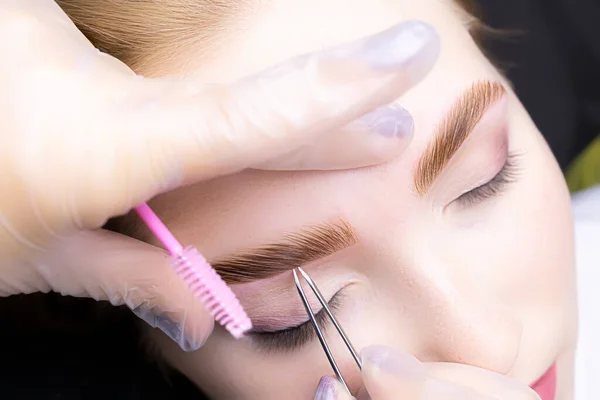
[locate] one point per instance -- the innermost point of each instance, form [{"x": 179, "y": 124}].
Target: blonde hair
[{"x": 145, "y": 34}]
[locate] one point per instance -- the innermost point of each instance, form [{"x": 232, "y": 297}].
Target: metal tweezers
[{"x": 315, "y": 325}]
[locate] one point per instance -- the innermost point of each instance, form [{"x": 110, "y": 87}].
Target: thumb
[
  {"x": 331, "y": 389},
  {"x": 108, "y": 266},
  {"x": 389, "y": 374},
  {"x": 287, "y": 117},
  {"x": 482, "y": 381}
]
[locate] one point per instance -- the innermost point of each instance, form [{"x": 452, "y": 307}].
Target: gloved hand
[
  {"x": 82, "y": 139},
  {"x": 391, "y": 375}
]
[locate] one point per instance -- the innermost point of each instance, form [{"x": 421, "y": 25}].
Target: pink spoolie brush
[{"x": 201, "y": 278}]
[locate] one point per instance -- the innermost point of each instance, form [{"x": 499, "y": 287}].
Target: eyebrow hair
[
  {"x": 294, "y": 250},
  {"x": 454, "y": 129}
]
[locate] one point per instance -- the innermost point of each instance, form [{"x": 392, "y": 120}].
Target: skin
[{"x": 489, "y": 285}]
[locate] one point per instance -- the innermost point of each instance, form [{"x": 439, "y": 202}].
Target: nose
[
  {"x": 457, "y": 329},
  {"x": 458, "y": 321}
]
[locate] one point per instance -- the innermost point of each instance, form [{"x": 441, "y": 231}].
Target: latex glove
[
  {"x": 84, "y": 139},
  {"x": 389, "y": 374}
]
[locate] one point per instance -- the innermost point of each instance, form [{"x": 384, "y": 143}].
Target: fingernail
[
  {"x": 363, "y": 394},
  {"x": 391, "y": 120},
  {"x": 172, "y": 329},
  {"x": 411, "y": 40},
  {"x": 413, "y": 43},
  {"x": 392, "y": 361},
  {"x": 326, "y": 389}
]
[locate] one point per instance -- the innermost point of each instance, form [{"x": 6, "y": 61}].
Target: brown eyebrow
[
  {"x": 453, "y": 130},
  {"x": 294, "y": 250}
]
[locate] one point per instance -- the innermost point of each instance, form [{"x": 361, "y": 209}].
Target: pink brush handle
[{"x": 159, "y": 229}]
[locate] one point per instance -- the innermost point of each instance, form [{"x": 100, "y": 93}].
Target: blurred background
[{"x": 64, "y": 348}]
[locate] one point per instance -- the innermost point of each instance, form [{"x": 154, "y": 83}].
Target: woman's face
[{"x": 463, "y": 254}]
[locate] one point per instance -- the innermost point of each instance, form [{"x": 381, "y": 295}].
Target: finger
[
  {"x": 371, "y": 139},
  {"x": 331, "y": 389},
  {"x": 389, "y": 374},
  {"x": 176, "y": 132},
  {"x": 124, "y": 271},
  {"x": 482, "y": 381}
]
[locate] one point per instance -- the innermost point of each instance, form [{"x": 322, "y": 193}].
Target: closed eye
[
  {"x": 293, "y": 338},
  {"x": 494, "y": 187}
]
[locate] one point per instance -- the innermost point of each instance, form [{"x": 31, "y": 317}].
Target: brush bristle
[{"x": 217, "y": 297}]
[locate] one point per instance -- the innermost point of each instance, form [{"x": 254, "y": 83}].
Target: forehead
[
  {"x": 252, "y": 207},
  {"x": 275, "y": 30}
]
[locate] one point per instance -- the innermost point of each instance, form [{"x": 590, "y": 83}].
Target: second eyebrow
[{"x": 454, "y": 129}]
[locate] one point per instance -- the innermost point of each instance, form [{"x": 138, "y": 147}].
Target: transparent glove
[
  {"x": 83, "y": 138},
  {"x": 391, "y": 375}
]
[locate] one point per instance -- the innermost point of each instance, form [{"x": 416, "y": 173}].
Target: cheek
[
  {"x": 540, "y": 233},
  {"x": 226, "y": 369},
  {"x": 524, "y": 252},
  {"x": 537, "y": 227}
]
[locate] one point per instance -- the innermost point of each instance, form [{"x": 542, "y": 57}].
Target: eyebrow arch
[
  {"x": 453, "y": 130},
  {"x": 294, "y": 250}
]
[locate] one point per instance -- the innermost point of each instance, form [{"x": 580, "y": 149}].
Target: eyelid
[
  {"x": 507, "y": 174},
  {"x": 293, "y": 338}
]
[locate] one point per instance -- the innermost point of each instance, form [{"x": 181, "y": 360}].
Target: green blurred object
[{"x": 584, "y": 172}]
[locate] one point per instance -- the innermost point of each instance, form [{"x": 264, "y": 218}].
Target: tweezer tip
[{"x": 304, "y": 274}]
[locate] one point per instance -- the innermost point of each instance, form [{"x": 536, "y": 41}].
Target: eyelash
[
  {"x": 295, "y": 337},
  {"x": 494, "y": 187}
]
